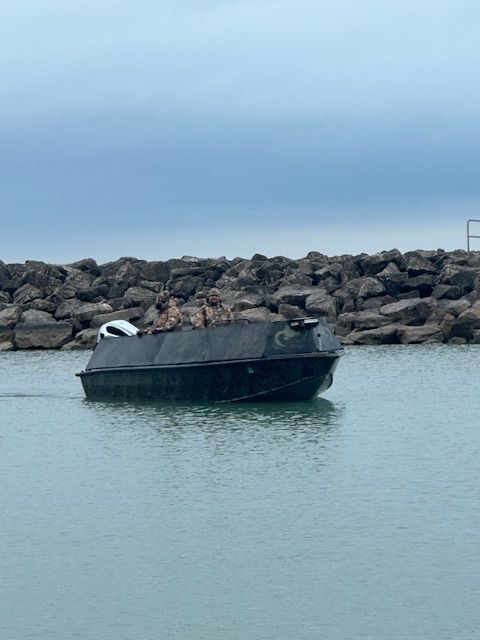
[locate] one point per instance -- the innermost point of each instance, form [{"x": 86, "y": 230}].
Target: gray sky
[{"x": 160, "y": 129}]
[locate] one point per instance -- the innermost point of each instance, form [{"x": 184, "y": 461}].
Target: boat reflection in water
[{"x": 229, "y": 362}]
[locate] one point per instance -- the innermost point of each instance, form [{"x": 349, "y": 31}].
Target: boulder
[
  {"x": 417, "y": 265},
  {"x": 85, "y": 339},
  {"x": 464, "y": 325},
  {"x": 261, "y": 314},
  {"x": 298, "y": 279},
  {"x": 374, "y": 264},
  {"x": 365, "y": 287},
  {"x": 85, "y": 312},
  {"x": 320, "y": 304},
  {"x": 26, "y": 293},
  {"x": 136, "y": 296},
  {"x": 6, "y": 345},
  {"x": 156, "y": 287},
  {"x": 66, "y": 308},
  {"x": 92, "y": 294},
  {"x": 42, "y": 336},
  {"x": 5, "y": 274},
  {"x": 75, "y": 281},
  {"x": 43, "y": 305},
  {"x": 34, "y": 316},
  {"x": 334, "y": 271},
  {"x": 87, "y": 264},
  {"x": 416, "y": 335},
  {"x": 246, "y": 301},
  {"x": 382, "y": 335},
  {"x": 155, "y": 271},
  {"x": 361, "y": 320},
  {"x": 377, "y": 302},
  {"x": 10, "y": 316},
  {"x": 423, "y": 284},
  {"x": 454, "y": 307},
  {"x": 186, "y": 286},
  {"x": 5, "y": 296},
  {"x": 392, "y": 278},
  {"x": 45, "y": 277},
  {"x": 412, "y": 311},
  {"x": 291, "y": 295},
  {"x": 447, "y": 291},
  {"x": 130, "y": 315},
  {"x": 465, "y": 279},
  {"x": 290, "y": 311}
]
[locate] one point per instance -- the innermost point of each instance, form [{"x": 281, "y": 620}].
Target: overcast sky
[{"x": 159, "y": 129}]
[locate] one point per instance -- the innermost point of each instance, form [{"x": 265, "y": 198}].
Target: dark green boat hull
[
  {"x": 283, "y": 378},
  {"x": 227, "y": 364}
]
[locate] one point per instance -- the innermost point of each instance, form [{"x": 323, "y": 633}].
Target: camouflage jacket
[
  {"x": 208, "y": 315},
  {"x": 169, "y": 319}
]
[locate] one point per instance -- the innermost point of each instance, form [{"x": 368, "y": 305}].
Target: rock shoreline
[{"x": 386, "y": 298}]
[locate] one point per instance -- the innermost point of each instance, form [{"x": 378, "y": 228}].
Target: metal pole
[{"x": 469, "y": 235}]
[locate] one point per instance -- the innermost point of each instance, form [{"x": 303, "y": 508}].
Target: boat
[{"x": 229, "y": 362}]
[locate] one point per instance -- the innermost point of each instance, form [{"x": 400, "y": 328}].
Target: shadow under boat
[{"x": 230, "y": 362}]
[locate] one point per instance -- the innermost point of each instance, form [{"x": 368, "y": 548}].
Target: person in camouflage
[
  {"x": 169, "y": 318},
  {"x": 212, "y": 311}
]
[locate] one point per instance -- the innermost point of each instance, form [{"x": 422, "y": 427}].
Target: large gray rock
[
  {"x": 42, "y": 336},
  {"x": 298, "y": 279},
  {"x": 45, "y": 277},
  {"x": 291, "y": 295},
  {"x": 447, "y": 291},
  {"x": 392, "y": 278},
  {"x": 382, "y": 335},
  {"x": 466, "y": 279},
  {"x": 34, "y": 316},
  {"x": 43, "y": 305},
  {"x": 423, "y": 284},
  {"x": 10, "y": 316},
  {"x": 261, "y": 314},
  {"x": 321, "y": 304},
  {"x": 290, "y": 311},
  {"x": 186, "y": 286},
  {"x": 87, "y": 264},
  {"x": 5, "y": 274},
  {"x": 464, "y": 325},
  {"x": 136, "y": 296},
  {"x": 155, "y": 271},
  {"x": 361, "y": 320},
  {"x": 93, "y": 294},
  {"x": 366, "y": 287},
  {"x": 25, "y": 294},
  {"x": 75, "y": 281},
  {"x": 416, "y": 335},
  {"x": 332, "y": 271},
  {"x": 417, "y": 265},
  {"x": 66, "y": 308},
  {"x": 454, "y": 307},
  {"x": 245, "y": 301},
  {"x": 412, "y": 311},
  {"x": 85, "y": 339},
  {"x": 130, "y": 315},
  {"x": 85, "y": 312},
  {"x": 5, "y": 296},
  {"x": 374, "y": 264}
]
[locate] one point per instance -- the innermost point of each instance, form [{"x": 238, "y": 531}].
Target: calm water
[{"x": 356, "y": 516}]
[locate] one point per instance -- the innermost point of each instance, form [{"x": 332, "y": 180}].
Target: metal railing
[{"x": 469, "y": 235}]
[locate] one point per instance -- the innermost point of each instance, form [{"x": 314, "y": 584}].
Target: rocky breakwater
[{"x": 386, "y": 298}]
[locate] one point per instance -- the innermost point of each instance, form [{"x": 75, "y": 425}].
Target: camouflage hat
[{"x": 214, "y": 292}]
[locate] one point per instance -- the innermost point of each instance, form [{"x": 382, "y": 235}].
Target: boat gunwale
[{"x": 336, "y": 353}]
